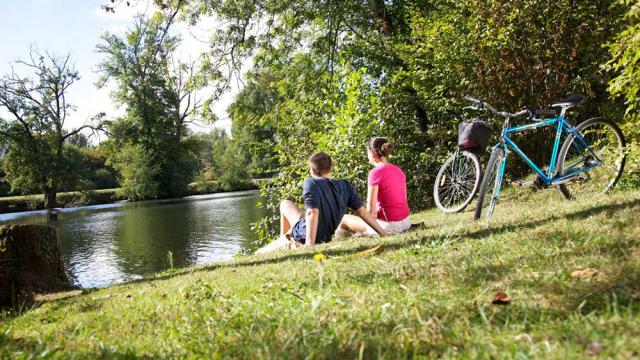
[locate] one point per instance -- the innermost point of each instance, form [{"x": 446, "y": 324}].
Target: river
[{"x": 108, "y": 244}]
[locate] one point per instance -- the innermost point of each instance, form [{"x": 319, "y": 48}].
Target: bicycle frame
[{"x": 506, "y": 143}]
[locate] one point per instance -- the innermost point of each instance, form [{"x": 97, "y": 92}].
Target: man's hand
[{"x": 364, "y": 214}]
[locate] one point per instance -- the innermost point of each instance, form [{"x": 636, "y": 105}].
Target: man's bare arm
[
  {"x": 364, "y": 214},
  {"x": 311, "y": 217}
]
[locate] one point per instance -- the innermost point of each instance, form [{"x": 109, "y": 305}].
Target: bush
[
  {"x": 138, "y": 170},
  {"x": 625, "y": 53}
]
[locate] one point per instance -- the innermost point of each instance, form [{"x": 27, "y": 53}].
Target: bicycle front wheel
[
  {"x": 492, "y": 180},
  {"x": 599, "y": 151},
  {"x": 457, "y": 182}
]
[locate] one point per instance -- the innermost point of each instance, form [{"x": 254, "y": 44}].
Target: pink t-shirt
[{"x": 392, "y": 192}]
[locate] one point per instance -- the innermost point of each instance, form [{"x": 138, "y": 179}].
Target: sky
[{"x": 74, "y": 27}]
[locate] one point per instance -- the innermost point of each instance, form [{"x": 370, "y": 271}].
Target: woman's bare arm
[
  {"x": 372, "y": 200},
  {"x": 364, "y": 214}
]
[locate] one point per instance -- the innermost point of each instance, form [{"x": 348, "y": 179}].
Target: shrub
[
  {"x": 625, "y": 62},
  {"x": 138, "y": 171}
]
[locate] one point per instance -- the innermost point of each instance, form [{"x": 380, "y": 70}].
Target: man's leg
[
  {"x": 290, "y": 213},
  {"x": 353, "y": 223}
]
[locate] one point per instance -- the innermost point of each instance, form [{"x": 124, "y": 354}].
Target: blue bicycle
[{"x": 591, "y": 159}]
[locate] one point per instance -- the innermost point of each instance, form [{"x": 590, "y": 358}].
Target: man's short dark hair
[{"x": 320, "y": 163}]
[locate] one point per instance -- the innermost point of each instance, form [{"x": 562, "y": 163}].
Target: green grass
[{"x": 426, "y": 293}]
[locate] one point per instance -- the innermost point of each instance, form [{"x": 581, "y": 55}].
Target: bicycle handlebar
[{"x": 481, "y": 104}]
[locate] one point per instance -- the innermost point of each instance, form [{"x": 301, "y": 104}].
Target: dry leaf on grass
[
  {"x": 594, "y": 348},
  {"x": 501, "y": 298},
  {"x": 404, "y": 275},
  {"x": 524, "y": 337},
  {"x": 372, "y": 251},
  {"x": 585, "y": 274}
]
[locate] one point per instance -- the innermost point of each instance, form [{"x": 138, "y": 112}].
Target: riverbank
[
  {"x": 12, "y": 204},
  {"x": 570, "y": 269}
]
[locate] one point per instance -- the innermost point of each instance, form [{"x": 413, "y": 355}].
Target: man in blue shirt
[{"x": 325, "y": 203}]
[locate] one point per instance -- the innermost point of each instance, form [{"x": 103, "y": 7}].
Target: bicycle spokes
[
  {"x": 596, "y": 155},
  {"x": 457, "y": 182}
]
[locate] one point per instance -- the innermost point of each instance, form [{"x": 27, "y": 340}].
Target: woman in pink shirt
[{"x": 386, "y": 195}]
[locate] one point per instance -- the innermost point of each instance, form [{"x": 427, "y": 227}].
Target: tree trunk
[
  {"x": 50, "y": 198},
  {"x": 30, "y": 262}
]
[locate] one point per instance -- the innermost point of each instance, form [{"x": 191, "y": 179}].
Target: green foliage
[
  {"x": 138, "y": 170},
  {"x": 223, "y": 162},
  {"x": 30, "y": 173},
  {"x": 95, "y": 168},
  {"x": 161, "y": 100},
  {"x": 625, "y": 63},
  {"x": 254, "y": 137}
]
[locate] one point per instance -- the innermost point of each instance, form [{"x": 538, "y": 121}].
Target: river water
[{"x": 107, "y": 244}]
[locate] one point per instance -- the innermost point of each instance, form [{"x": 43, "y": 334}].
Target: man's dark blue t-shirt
[{"x": 331, "y": 198}]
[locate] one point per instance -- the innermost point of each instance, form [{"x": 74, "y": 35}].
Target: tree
[
  {"x": 252, "y": 136},
  {"x": 39, "y": 158},
  {"x": 223, "y": 161},
  {"x": 161, "y": 96}
]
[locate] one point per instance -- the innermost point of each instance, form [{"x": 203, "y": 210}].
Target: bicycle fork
[{"x": 498, "y": 182}]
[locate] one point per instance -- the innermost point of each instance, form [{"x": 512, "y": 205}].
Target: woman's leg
[
  {"x": 290, "y": 213},
  {"x": 353, "y": 223}
]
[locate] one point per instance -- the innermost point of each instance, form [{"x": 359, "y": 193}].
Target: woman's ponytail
[{"x": 380, "y": 146}]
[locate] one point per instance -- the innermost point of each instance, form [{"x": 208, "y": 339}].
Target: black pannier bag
[{"x": 474, "y": 134}]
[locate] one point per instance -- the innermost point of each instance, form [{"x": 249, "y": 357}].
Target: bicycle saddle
[{"x": 571, "y": 101}]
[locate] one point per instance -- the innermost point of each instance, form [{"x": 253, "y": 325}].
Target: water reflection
[{"x": 103, "y": 245}]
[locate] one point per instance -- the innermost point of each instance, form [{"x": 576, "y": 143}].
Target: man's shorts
[{"x": 299, "y": 230}]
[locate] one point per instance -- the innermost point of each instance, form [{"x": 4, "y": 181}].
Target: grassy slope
[{"x": 429, "y": 294}]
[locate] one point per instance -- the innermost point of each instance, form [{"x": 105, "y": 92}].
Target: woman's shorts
[{"x": 391, "y": 227}]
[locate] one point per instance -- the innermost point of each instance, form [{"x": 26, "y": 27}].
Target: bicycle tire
[
  {"x": 566, "y": 146},
  {"x": 488, "y": 179},
  {"x": 441, "y": 179}
]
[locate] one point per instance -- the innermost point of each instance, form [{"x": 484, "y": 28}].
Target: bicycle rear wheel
[
  {"x": 604, "y": 163},
  {"x": 491, "y": 180},
  {"x": 457, "y": 182}
]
